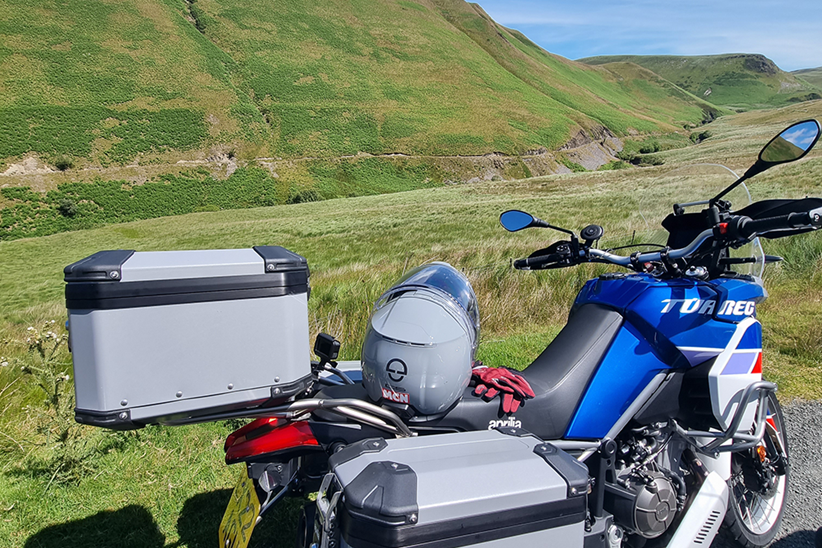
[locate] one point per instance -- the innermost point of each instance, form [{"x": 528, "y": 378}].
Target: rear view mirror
[
  {"x": 513, "y": 220},
  {"x": 792, "y": 144}
]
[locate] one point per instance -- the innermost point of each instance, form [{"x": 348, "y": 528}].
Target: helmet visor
[{"x": 444, "y": 279}]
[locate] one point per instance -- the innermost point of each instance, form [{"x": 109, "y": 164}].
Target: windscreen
[{"x": 691, "y": 187}]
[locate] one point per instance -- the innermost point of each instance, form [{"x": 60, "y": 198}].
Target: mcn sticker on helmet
[{"x": 397, "y": 397}]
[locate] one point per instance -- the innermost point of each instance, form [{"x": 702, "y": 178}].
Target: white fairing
[
  {"x": 732, "y": 372},
  {"x": 721, "y": 463},
  {"x": 701, "y": 523}
]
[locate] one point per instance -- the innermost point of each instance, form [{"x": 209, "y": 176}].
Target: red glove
[{"x": 491, "y": 381}]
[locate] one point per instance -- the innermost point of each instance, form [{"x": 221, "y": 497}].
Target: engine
[
  {"x": 644, "y": 503},
  {"x": 645, "y": 489}
]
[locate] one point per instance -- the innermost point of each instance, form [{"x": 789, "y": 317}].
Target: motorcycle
[{"x": 654, "y": 385}]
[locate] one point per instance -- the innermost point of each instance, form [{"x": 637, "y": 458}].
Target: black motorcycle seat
[{"x": 559, "y": 377}]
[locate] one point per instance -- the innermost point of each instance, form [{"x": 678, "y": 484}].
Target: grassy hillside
[
  {"x": 168, "y": 486},
  {"x": 105, "y": 82},
  {"x": 309, "y": 100},
  {"x": 110, "y": 81},
  {"x": 812, "y": 76},
  {"x": 739, "y": 81}
]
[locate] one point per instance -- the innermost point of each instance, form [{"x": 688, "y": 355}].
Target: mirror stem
[
  {"x": 738, "y": 182},
  {"x": 542, "y": 224},
  {"x": 565, "y": 230},
  {"x": 755, "y": 169}
]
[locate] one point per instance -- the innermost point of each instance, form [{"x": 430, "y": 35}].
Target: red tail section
[{"x": 267, "y": 436}]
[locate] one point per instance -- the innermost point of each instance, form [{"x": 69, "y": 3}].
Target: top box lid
[{"x": 129, "y": 266}]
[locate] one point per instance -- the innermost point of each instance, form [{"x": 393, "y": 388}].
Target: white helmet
[{"x": 421, "y": 340}]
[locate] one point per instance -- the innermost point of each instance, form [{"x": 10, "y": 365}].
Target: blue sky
[
  {"x": 789, "y": 33},
  {"x": 802, "y": 135}
]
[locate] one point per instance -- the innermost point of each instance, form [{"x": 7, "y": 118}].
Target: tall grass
[{"x": 164, "y": 486}]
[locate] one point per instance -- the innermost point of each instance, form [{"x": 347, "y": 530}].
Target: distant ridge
[
  {"x": 812, "y": 76},
  {"x": 739, "y": 81}
]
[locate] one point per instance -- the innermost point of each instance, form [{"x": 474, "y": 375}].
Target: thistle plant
[
  {"x": 45, "y": 365},
  {"x": 69, "y": 448}
]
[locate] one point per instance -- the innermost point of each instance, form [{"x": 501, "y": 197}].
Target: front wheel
[{"x": 758, "y": 486}]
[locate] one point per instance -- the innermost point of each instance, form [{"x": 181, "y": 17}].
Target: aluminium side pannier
[{"x": 498, "y": 488}]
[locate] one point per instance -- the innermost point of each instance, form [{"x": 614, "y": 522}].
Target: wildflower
[
  {"x": 30, "y": 328},
  {"x": 4, "y": 362}
]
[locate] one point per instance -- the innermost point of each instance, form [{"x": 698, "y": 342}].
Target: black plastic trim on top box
[
  {"x": 102, "y": 266},
  {"x": 113, "y": 420},
  {"x": 570, "y": 469},
  {"x": 279, "y": 259},
  {"x": 121, "y": 419},
  {"x": 109, "y": 296},
  {"x": 384, "y": 491}
]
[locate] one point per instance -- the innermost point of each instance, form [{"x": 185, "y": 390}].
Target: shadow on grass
[
  {"x": 199, "y": 522},
  {"x": 129, "y": 527},
  {"x": 134, "y": 527}
]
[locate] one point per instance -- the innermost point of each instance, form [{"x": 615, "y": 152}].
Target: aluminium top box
[
  {"x": 500, "y": 488},
  {"x": 173, "y": 337}
]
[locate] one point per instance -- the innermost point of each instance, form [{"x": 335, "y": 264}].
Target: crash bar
[{"x": 760, "y": 390}]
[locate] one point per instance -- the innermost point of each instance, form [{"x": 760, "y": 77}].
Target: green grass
[
  {"x": 53, "y": 131},
  {"x": 74, "y": 206},
  {"x": 739, "y": 81},
  {"x": 573, "y": 166},
  {"x": 168, "y": 486},
  {"x": 111, "y": 82},
  {"x": 812, "y": 76}
]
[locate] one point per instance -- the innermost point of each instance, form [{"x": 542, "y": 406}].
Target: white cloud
[
  {"x": 802, "y": 136},
  {"x": 788, "y": 34}
]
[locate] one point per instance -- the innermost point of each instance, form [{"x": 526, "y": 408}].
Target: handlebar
[
  {"x": 736, "y": 228},
  {"x": 653, "y": 255}
]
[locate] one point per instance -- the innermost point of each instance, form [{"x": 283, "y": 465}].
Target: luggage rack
[{"x": 352, "y": 408}]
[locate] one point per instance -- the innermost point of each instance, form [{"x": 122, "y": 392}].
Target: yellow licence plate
[{"x": 240, "y": 514}]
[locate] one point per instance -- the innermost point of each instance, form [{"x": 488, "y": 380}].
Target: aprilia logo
[
  {"x": 510, "y": 421},
  {"x": 700, "y": 306},
  {"x": 398, "y": 397}
]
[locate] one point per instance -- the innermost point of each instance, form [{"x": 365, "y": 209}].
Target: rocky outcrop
[
  {"x": 761, "y": 64},
  {"x": 592, "y": 148}
]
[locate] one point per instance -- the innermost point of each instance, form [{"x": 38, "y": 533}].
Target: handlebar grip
[
  {"x": 535, "y": 262},
  {"x": 748, "y": 227}
]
